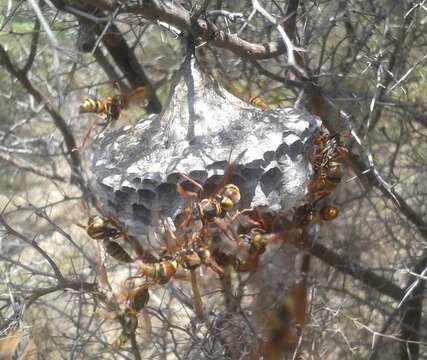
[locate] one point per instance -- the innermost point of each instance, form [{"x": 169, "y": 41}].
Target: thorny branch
[
  {"x": 312, "y": 86},
  {"x": 59, "y": 121}
]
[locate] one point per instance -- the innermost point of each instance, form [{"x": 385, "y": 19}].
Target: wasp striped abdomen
[
  {"x": 258, "y": 102},
  {"x": 91, "y": 105},
  {"x": 160, "y": 272}
]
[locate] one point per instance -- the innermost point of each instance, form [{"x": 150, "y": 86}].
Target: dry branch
[{"x": 58, "y": 120}]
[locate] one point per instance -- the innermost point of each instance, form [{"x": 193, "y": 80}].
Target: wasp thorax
[
  {"x": 329, "y": 212},
  {"x": 334, "y": 169},
  {"x": 209, "y": 209},
  {"x": 96, "y": 220},
  {"x": 230, "y": 195},
  {"x": 190, "y": 260},
  {"x": 97, "y": 228}
]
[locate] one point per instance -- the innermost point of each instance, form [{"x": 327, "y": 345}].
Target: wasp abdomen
[
  {"x": 93, "y": 105},
  {"x": 257, "y": 101}
]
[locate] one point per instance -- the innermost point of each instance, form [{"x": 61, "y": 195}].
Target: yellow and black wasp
[
  {"x": 113, "y": 105},
  {"x": 214, "y": 208},
  {"x": 137, "y": 300},
  {"x": 99, "y": 228},
  {"x": 258, "y": 102}
]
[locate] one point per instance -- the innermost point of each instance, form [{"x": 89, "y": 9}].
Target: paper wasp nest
[{"x": 137, "y": 168}]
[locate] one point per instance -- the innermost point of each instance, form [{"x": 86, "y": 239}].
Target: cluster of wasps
[{"x": 191, "y": 244}]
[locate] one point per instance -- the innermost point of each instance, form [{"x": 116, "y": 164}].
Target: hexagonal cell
[
  {"x": 188, "y": 185},
  {"x": 198, "y": 175},
  {"x": 167, "y": 194},
  {"x": 270, "y": 143},
  {"x": 141, "y": 213},
  {"x": 149, "y": 184},
  {"x": 174, "y": 178},
  {"x": 282, "y": 150},
  {"x": 218, "y": 165},
  {"x": 122, "y": 195},
  {"x": 136, "y": 181},
  {"x": 250, "y": 173},
  {"x": 271, "y": 180},
  {"x": 168, "y": 198},
  {"x": 128, "y": 189},
  {"x": 148, "y": 198},
  {"x": 268, "y": 157},
  {"x": 105, "y": 187},
  {"x": 152, "y": 177}
]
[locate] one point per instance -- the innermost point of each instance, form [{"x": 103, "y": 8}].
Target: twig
[
  {"x": 24, "y": 166},
  {"x": 350, "y": 267},
  {"x": 104, "y": 31},
  {"x": 11, "y": 15},
  {"x": 15, "y": 233},
  {"x": 232, "y": 16},
  {"x": 33, "y": 49},
  {"x": 53, "y": 112}
]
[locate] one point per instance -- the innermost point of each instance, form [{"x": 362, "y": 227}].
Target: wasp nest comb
[{"x": 137, "y": 168}]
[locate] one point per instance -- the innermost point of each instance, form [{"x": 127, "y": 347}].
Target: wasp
[
  {"x": 191, "y": 256},
  {"x": 257, "y": 244},
  {"x": 327, "y": 165},
  {"x": 158, "y": 272},
  {"x": 190, "y": 260},
  {"x": 258, "y": 102},
  {"x": 129, "y": 322},
  {"x": 327, "y": 161},
  {"x": 126, "y": 311},
  {"x": 128, "y": 319},
  {"x": 224, "y": 197},
  {"x": 213, "y": 209},
  {"x": 325, "y": 182},
  {"x": 284, "y": 324},
  {"x": 116, "y": 251},
  {"x": 113, "y": 105},
  {"x": 328, "y": 213},
  {"x": 308, "y": 212},
  {"x": 99, "y": 228},
  {"x": 216, "y": 205}
]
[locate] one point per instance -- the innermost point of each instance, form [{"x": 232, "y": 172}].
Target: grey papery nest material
[{"x": 137, "y": 168}]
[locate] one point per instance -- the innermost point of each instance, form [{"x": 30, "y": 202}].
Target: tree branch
[
  {"x": 24, "y": 166},
  {"x": 52, "y": 264},
  {"x": 58, "y": 120},
  {"x": 347, "y": 266},
  {"x": 175, "y": 15},
  {"x": 33, "y": 49},
  {"x": 411, "y": 313},
  {"x": 126, "y": 60}
]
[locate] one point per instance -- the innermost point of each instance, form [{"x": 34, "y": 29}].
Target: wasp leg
[
  {"x": 197, "y": 299},
  {"x": 209, "y": 261},
  {"x": 88, "y": 131},
  {"x": 226, "y": 230},
  {"x": 107, "y": 315},
  {"x": 172, "y": 241},
  {"x": 186, "y": 194},
  {"x": 194, "y": 182},
  {"x": 129, "y": 283},
  {"x": 147, "y": 322}
]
